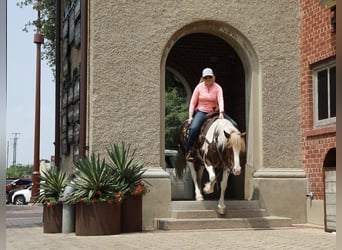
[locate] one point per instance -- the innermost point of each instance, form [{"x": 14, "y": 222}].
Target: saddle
[{"x": 184, "y": 132}]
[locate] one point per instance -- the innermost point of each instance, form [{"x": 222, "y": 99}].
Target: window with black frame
[{"x": 324, "y": 89}]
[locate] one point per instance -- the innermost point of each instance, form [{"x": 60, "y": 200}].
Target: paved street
[
  {"x": 24, "y": 231},
  {"x": 23, "y": 216}
]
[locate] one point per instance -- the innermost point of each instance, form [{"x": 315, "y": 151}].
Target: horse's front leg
[
  {"x": 198, "y": 194},
  {"x": 224, "y": 182},
  {"x": 209, "y": 186},
  {"x": 200, "y": 175}
]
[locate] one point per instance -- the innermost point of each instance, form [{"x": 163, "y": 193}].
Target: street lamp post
[{"x": 38, "y": 40}]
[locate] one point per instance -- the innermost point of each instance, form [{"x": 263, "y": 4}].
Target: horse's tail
[
  {"x": 180, "y": 163},
  {"x": 182, "y": 140}
]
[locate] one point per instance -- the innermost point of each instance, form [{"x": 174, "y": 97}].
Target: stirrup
[{"x": 189, "y": 157}]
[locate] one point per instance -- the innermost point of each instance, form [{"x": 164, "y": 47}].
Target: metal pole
[
  {"x": 38, "y": 40},
  {"x": 83, "y": 78},
  {"x": 58, "y": 80},
  {"x": 15, "y": 139},
  {"x": 7, "y": 154},
  {"x": 13, "y": 153}
]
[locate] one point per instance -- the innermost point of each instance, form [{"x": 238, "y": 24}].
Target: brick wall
[{"x": 317, "y": 44}]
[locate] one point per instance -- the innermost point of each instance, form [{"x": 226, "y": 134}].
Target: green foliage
[
  {"x": 46, "y": 26},
  {"x": 18, "y": 171},
  {"x": 52, "y": 185},
  {"x": 176, "y": 109},
  {"x": 129, "y": 171},
  {"x": 95, "y": 182}
]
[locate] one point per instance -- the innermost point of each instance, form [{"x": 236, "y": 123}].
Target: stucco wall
[{"x": 126, "y": 43}]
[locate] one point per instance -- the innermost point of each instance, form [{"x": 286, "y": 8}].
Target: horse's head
[{"x": 235, "y": 146}]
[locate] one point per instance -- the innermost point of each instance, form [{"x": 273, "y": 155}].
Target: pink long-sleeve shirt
[{"x": 206, "y": 100}]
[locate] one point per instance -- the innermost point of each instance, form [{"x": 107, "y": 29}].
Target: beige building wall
[
  {"x": 126, "y": 44},
  {"x": 127, "y": 49}
]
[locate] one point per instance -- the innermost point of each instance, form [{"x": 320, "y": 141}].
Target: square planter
[
  {"x": 98, "y": 218},
  {"x": 131, "y": 214},
  {"x": 52, "y": 219}
]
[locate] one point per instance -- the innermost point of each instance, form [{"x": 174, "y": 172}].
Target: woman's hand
[
  {"x": 190, "y": 120},
  {"x": 221, "y": 115}
]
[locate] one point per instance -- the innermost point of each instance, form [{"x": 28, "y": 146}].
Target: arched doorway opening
[
  {"x": 193, "y": 52},
  {"x": 329, "y": 167},
  {"x": 187, "y": 58},
  {"x": 234, "y": 61}
]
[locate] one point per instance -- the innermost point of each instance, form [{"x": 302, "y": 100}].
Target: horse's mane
[{"x": 235, "y": 139}]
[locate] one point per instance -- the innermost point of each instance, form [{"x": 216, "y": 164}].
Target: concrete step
[
  {"x": 212, "y": 204},
  {"x": 223, "y": 223},
  {"x": 211, "y": 213},
  {"x": 187, "y": 215}
]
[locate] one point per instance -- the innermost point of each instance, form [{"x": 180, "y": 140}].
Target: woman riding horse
[{"x": 207, "y": 97}]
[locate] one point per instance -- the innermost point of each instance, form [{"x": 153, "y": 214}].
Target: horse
[{"x": 218, "y": 150}]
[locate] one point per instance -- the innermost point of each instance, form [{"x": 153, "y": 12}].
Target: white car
[{"x": 22, "y": 196}]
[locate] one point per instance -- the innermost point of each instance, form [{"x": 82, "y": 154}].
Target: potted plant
[
  {"x": 52, "y": 185},
  {"x": 130, "y": 172},
  {"x": 97, "y": 195}
]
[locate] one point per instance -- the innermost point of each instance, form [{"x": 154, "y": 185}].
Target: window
[{"x": 324, "y": 89}]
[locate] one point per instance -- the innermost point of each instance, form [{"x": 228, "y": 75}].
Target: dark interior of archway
[
  {"x": 188, "y": 57},
  {"x": 194, "y": 52},
  {"x": 330, "y": 159}
]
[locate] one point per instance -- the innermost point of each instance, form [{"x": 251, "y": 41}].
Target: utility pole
[
  {"x": 15, "y": 139},
  {"x": 38, "y": 40},
  {"x": 7, "y": 154}
]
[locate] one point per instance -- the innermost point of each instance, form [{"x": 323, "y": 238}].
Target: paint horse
[{"x": 218, "y": 150}]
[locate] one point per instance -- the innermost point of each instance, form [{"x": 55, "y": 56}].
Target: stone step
[
  {"x": 223, "y": 223},
  {"x": 187, "y": 215},
  {"x": 212, "y": 204},
  {"x": 211, "y": 213}
]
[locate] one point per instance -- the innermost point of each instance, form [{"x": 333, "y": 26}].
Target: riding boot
[{"x": 190, "y": 156}]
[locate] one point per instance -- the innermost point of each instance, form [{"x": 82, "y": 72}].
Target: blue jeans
[{"x": 195, "y": 127}]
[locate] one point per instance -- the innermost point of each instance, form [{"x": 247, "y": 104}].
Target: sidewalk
[
  {"x": 29, "y": 235},
  {"x": 297, "y": 238}
]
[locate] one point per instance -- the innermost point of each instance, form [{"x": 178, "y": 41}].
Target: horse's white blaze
[{"x": 237, "y": 167}]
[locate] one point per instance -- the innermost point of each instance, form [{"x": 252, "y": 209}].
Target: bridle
[{"x": 219, "y": 153}]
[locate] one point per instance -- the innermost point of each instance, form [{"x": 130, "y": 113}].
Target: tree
[
  {"x": 46, "y": 26},
  {"x": 176, "y": 107},
  {"x": 17, "y": 171}
]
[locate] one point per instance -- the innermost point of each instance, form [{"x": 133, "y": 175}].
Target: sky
[{"x": 21, "y": 87}]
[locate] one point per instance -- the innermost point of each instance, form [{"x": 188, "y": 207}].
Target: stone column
[
  {"x": 282, "y": 191},
  {"x": 157, "y": 202}
]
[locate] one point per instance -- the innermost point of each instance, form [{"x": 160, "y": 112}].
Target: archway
[
  {"x": 229, "y": 53},
  {"x": 193, "y": 52},
  {"x": 329, "y": 167}
]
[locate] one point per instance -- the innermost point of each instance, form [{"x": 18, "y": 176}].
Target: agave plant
[
  {"x": 129, "y": 171},
  {"x": 53, "y": 183},
  {"x": 95, "y": 182}
]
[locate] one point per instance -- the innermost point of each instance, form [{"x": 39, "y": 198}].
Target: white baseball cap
[{"x": 207, "y": 72}]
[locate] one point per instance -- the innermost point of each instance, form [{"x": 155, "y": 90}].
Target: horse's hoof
[
  {"x": 199, "y": 198},
  {"x": 221, "y": 211},
  {"x": 208, "y": 189}
]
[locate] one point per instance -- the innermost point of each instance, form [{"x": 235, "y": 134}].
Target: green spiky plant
[
  {"x": 52, "y": 185},
  {"x": 95, "y": 182},
  {"x": 130, "y": 171}
]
